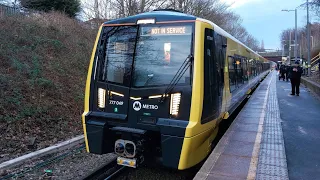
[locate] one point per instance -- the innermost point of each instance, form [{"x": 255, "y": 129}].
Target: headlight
[
  {"x": 174, "y": 103},
  {"x": 101, "y": 98}
]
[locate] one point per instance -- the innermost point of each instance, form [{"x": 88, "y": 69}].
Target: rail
[{"x": 106, "y": 171}]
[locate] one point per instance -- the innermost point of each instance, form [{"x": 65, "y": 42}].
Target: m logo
[{"x": 137, "y": 106}]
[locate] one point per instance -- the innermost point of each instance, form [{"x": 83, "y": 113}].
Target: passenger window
[
  {"x": 239, "y": 73},
  {"x": 232, "y": 73},
  {"x": 244, "y": 70}
]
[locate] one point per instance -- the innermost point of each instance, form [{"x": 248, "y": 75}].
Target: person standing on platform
[
  {"x": 295, "y": 74},
  {"x": 286, "y": 72},
  {"x": 288, "y": 75},
  {"x": 282, "y": 72}
]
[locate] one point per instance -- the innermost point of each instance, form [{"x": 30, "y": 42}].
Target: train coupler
[{"x": 129, "y": 153}]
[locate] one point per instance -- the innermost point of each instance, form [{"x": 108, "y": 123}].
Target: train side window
[
  {"x": 239, "y": 71},
  {"x": 232, "y": 74},
  {"x": 245, "y": 70},
  {"x": 210, "y": 99}
]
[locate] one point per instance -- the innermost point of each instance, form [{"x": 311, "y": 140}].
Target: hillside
[{"x": 43, "y": 65}]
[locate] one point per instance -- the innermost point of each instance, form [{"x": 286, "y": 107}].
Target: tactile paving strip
[{"x": 272, "y": 162}]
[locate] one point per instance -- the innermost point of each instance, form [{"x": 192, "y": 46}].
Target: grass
[{"x": 43, "y": 66}]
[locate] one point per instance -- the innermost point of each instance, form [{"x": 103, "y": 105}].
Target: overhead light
[
  {"x": 146, "y": 21},
  {"x": 101, "y": 98},
  {"x": 175, "y": 103}
]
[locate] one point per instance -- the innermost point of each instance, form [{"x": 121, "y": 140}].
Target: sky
[{"x": 265, "y": 20}]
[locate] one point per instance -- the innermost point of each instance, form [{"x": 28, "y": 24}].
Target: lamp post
[
  {"x": 295, "y": 35},
  {"x": 308, "y": 39}
]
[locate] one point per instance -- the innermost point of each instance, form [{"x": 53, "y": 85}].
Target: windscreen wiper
[{"x": 175, "y": 80}]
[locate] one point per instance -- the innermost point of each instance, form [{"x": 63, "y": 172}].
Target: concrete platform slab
[
  {"x": 244, "y": 148},
  {"x": 234, "y": 166},
  {"x": 244, "y": 136},
  {"x": 251, "y": 127}
]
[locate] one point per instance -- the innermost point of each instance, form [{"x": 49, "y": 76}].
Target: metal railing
[{"x": 315, "y": 62}]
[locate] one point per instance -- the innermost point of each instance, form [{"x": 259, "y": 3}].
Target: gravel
[
  {"x": 78, "y": 164},
  {"x": 75, "y": 165},
  {"x": 157, "y": 173}
]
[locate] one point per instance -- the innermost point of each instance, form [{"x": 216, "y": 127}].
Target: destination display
[{"x": 168, "y": 30}]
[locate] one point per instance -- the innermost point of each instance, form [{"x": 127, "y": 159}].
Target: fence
[{"x": 8, "y": 10}]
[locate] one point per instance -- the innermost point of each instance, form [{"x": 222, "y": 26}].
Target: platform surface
[
  {"x": 301, "y": 130},
  {"x": 253, "y": 146}
]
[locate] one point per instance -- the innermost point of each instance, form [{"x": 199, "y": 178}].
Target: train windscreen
[
  {"x": 154, "y": 52},
  {"x": 160, "y": 52}
]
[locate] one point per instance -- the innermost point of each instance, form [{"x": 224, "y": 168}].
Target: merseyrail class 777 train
[{"x": 159, "y": 84}]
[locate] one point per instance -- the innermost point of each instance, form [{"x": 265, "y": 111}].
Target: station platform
[
  {"x": 275, "y": 136},
  {"x": 253, "y": 146}
]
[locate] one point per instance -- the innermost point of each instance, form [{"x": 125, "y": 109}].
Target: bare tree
[
  {"x": 98, "y": 9},
  {"x": 252, "y": 43},
  {"x": 213, "y": 10},
  {"x": 262, "y": 46},
  {"x": 315, "y": 5},
  {"x": 302, "y": 39}
]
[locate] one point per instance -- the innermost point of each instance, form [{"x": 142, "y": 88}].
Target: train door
[
  {"x": 211, "y": 109},
  {"x": 112, "y": 75},
  {"x": 220, "y": 54}
]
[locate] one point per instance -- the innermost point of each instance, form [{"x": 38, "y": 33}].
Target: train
[{"x": 160, "y": 83}]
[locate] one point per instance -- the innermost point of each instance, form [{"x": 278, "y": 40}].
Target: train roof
[
  {"x": 173, "y": 15},
  {"x": 158, "y": 15}
]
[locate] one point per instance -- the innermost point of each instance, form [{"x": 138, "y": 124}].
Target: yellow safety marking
[
  {"x": 87, "y": 91},
  {"x": 256, "y": 148}
]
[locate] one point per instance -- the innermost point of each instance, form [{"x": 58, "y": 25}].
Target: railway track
[{"x": 106, "y": 172}]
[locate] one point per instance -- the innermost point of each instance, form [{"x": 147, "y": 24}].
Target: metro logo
[
  {"x": 148, "y": 106},
  {"x": 137, "y": 106}
]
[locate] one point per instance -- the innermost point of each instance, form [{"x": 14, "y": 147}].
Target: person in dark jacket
[
  {"x": 288, "y": 75},
  {"x": 295, "y": 74},
  {"x": 282, "y": 72}
]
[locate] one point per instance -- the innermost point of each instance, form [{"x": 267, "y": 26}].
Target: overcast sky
[{"x": 265, "y": 20}]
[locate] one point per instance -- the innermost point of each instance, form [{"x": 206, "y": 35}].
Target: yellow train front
[{"x": 157, "y": 87}]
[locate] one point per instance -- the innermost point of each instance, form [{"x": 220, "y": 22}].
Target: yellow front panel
[
  {"x": 198, "y": 137},
  {"x": 196, "y": 148},
  {"x": 195, "y": 127},
  {"x": 87, "y": 91}
]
